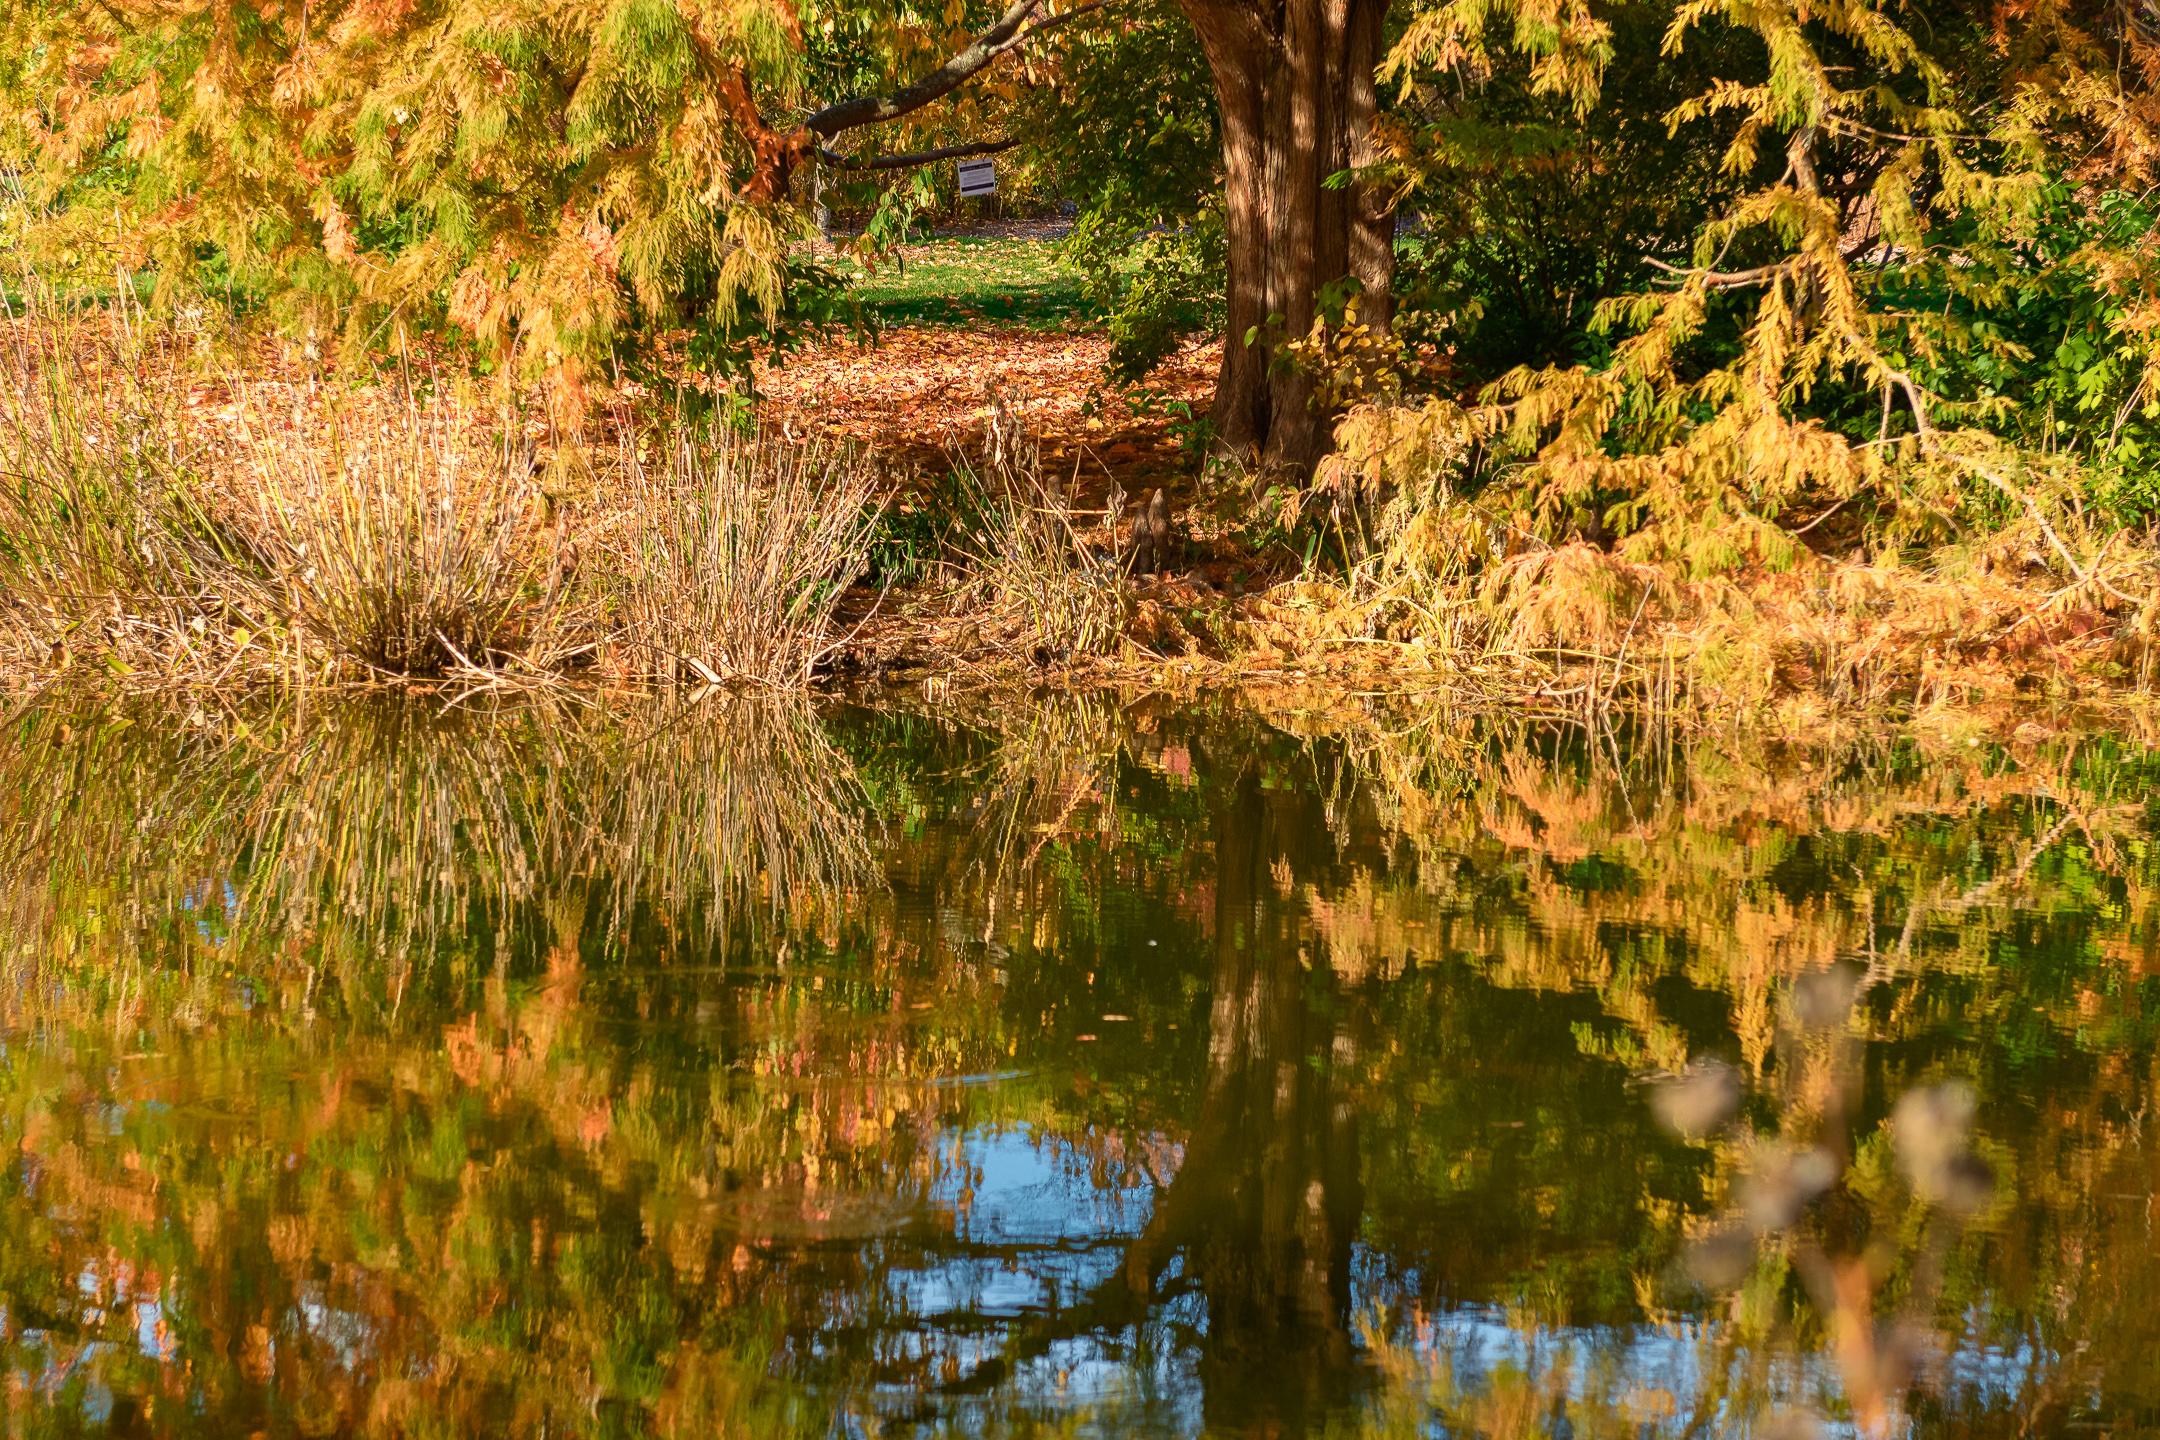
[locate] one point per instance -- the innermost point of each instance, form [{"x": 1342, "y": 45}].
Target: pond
[{"x": 1072, "y": 1066}]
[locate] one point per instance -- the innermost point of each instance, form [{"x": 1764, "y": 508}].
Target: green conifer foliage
[{"x": 1908, "y": 199}]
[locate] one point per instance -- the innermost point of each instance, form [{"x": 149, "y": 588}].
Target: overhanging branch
[
  {"x": 1009, "y": 34},
  {"x": 1727, "y": 279},
  {"x": 1758, "y": 275},
  {"x": 920, "y": 157}
]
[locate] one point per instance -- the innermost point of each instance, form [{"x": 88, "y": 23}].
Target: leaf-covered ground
[{"x": 971, "y": 319}]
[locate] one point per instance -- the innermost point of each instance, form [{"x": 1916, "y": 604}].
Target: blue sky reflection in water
[{"x": 752, "y": 1070}]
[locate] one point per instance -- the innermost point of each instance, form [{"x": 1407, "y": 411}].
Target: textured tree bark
[{"x": 1295, "y": 83}]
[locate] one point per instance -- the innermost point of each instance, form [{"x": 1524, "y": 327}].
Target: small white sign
[{"x": 978, "y": 176}]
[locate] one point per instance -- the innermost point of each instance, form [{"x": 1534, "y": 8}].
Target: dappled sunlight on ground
[{"x": 922, "y": 390}]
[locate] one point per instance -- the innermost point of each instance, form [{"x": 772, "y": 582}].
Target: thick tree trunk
[{"x": 1295, "y": 82}]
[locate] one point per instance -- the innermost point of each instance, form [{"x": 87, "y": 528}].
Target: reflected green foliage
[{"x": 746, "y": 1069}]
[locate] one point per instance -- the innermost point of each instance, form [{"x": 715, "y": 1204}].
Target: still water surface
[{"x": 740, "y": 1069}]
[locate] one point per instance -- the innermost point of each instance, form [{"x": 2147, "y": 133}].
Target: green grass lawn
[
  {"x": 955, "y": 280},
  {"x": 950, "y": 280}
]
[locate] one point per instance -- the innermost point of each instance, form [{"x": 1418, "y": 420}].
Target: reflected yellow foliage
[{"x": 387, "y": 1074}]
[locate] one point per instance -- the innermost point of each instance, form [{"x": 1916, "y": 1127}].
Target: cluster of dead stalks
[
  {"x": 731, "y": 558},
  {"x": 153, "y": 524},
  {"x": 1032, "y": 566}
]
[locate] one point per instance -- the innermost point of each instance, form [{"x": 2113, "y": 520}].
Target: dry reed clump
[
  {"x": 111, "y": 542},
  {"x": 401, "y": 542},
  {"x": 1032, "y": 576},
  {"x": 733, "y": 555},
  {"x": 262, "y": 542}
]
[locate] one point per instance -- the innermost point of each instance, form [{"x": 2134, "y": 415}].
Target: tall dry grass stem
[
  {"x": 110, "y": 540},
  {"x": 737, "y": 552},
  {"x": 402, "y": 541},
  {"x": 1031, "y": 569}
]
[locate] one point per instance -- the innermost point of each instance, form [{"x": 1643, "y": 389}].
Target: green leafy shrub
[
  {"x": 1530, "y": 210},
  {"x": 2031, "y": 339},
  {"x": 1159, "y": 288}
]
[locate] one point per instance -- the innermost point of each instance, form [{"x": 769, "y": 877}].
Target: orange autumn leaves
[{"x": 923, "y": 390}]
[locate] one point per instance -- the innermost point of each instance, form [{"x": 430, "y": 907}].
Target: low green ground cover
[{"x": 956, "y": 279}]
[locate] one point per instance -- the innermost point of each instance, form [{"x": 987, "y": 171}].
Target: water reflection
[{"x": 743, "y": 1069}]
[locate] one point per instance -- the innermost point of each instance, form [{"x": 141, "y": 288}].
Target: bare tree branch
[
  {"x": 920, "y": 157},
  {"x": 1728, "y": 279},
  {"x": 1000, "y": 39},
  {"x": 1758, "y": 275}
]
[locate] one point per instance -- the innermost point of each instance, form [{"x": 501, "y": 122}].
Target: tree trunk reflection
[{"x": 1265, "y": 1207}]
